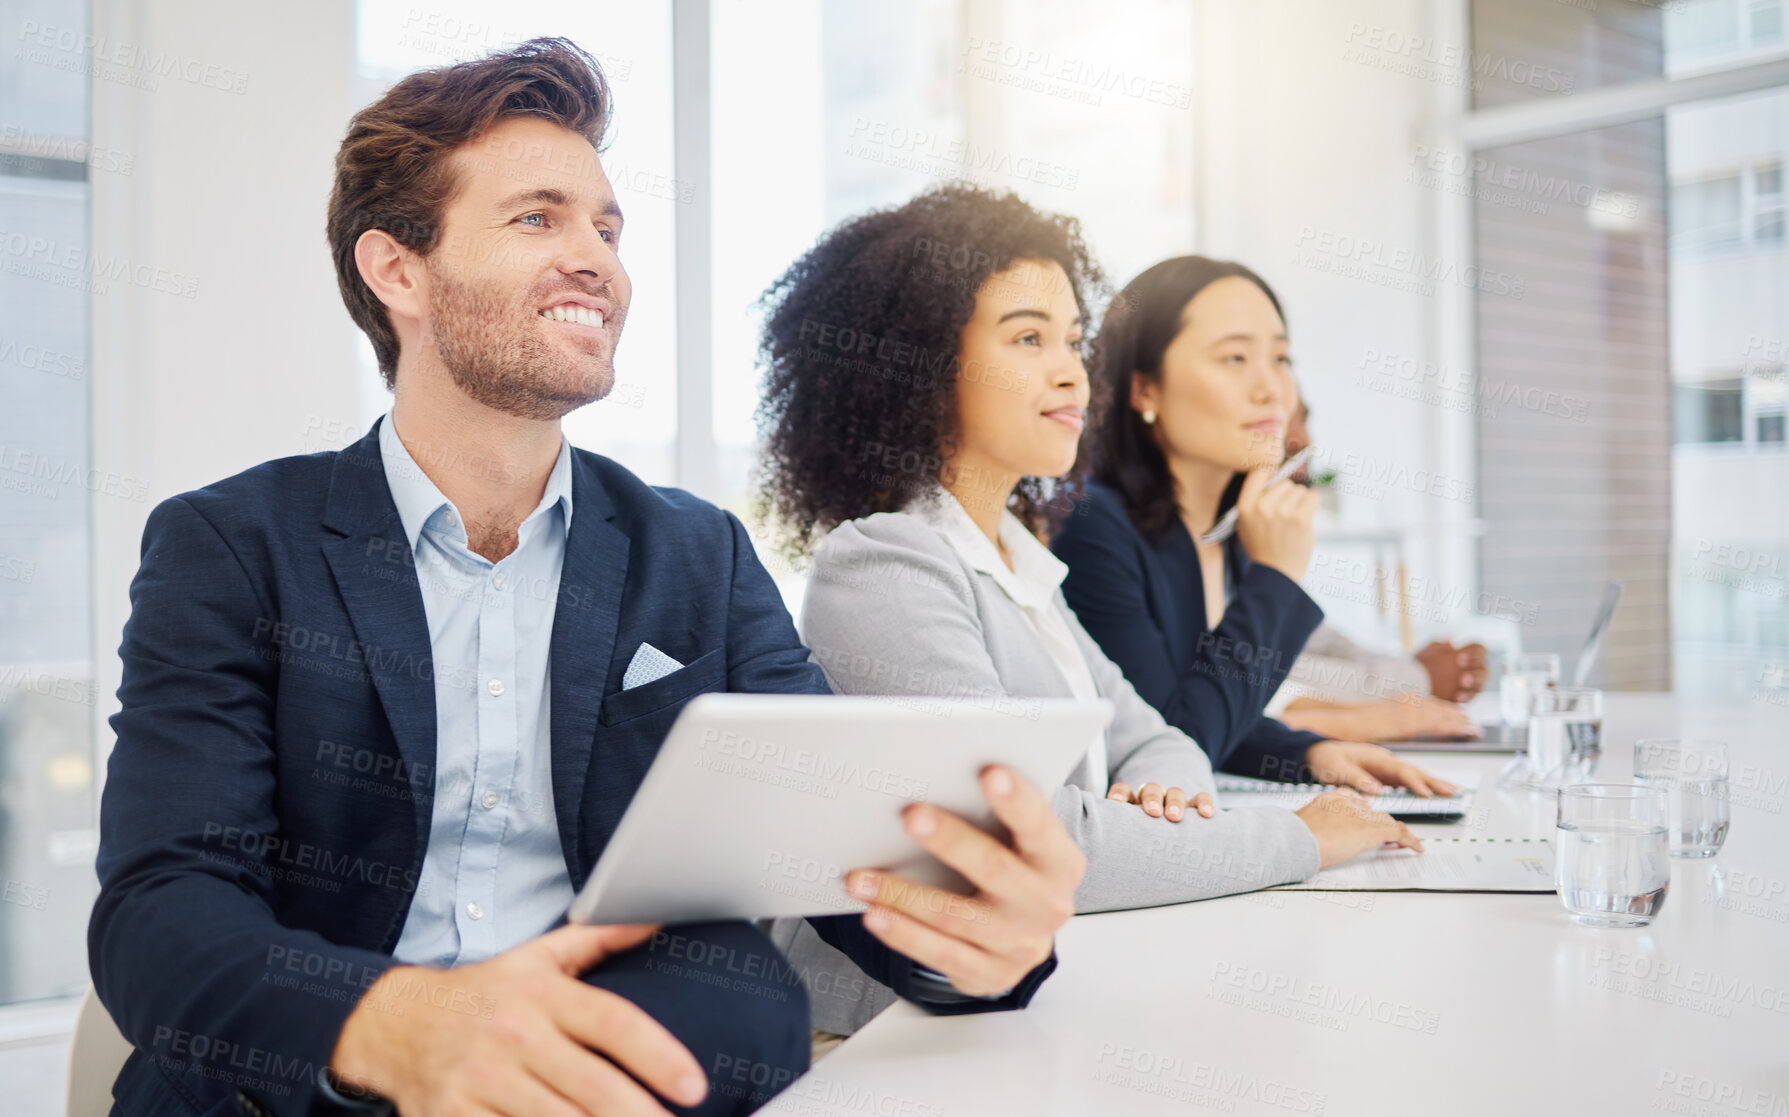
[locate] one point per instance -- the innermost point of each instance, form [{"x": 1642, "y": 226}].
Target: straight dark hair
[{"x": 1143, "y": 320}]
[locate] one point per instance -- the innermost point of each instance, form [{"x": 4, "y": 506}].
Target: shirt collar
[
  {"x": 421, "y": 504},
  {"x": 1036, "y": 573}
]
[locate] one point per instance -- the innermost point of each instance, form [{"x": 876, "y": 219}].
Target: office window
[
  {"x": 1676, "y": 344},
  {"x": 47, "y": 489},
  {"x": 1705, "y": 35},
  {"x": 1702, "y": 27},
  {"x": 860, "y": 111},
  {"x": 1709, "y": 412},
  {"x": 1729, "y": 210},
  {"x": 1537, "y": 50},
  {"x": 1575, "y": 484},
  {"x": 1709, "y": 213},
  {"x": 1767, "y": 398},
  {"x": 867, "y": 105},
  {"x": 1093, "y": 116},
  {"x": 637, "y": 423},
  {"x": 1766, "y": 22},
  {"x": 1767, "y": 204},
  {"x": 1729, "y": 318}
]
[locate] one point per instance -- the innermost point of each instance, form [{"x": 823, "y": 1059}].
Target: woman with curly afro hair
[
  {"x": 925, "y": 403},
  {"x": 862, "y": 343}
]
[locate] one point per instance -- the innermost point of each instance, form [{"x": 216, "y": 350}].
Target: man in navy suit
[{"x": 382, "y": 708}]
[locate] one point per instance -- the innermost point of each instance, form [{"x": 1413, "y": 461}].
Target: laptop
[
  {"x": 1510, "y": 739},
  {"x": 758, "y": 805}
]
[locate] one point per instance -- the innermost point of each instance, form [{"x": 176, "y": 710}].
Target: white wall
[
  {"x": 228, "y": 190},
  {"x": 1304, "y": 151}
]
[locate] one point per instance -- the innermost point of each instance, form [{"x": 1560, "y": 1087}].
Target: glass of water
[
  {"x": 1565, "y": 736},
  {"x": 1611, "y": 853},
  {"x": 1564, "y": 739},
  {"x": 1694, "y": 777},
  {"x": 1523, "y": 675}
]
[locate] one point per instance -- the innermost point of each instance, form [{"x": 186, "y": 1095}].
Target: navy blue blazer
[
  {"x": 1144, "y": 603},
  {"x": 252, "y": 884}
]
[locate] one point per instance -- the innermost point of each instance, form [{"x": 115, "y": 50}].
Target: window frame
[{"x": 1753, "y": 70}]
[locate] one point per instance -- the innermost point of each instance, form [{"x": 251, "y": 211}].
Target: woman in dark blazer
[{"x": 1193, "y": 383}]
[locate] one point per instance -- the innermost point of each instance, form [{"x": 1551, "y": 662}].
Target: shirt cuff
[
  {"x": 934, "y": 988},
  {"x": 326, "y": 1088}
]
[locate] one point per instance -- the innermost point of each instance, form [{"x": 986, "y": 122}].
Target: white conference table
[{"x": 1393, "y": 1003}]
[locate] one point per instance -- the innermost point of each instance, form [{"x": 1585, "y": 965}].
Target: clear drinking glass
[
  {"x": 1565, "y": 736},
  {"x": 1523, "y": 675},
  {"x": 1694, "y": 776},
  {"x": 1611, "y": 853}
]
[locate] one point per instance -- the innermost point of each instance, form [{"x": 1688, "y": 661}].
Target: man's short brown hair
[{"x": 392, "y": 171}]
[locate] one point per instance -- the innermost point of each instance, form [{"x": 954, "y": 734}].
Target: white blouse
[{"x": 1033, "y": 583}]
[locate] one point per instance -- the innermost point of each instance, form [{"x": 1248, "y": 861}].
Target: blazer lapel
[
  {"x": 586, "y": 620},
  {"x": 376, "y": 576}
]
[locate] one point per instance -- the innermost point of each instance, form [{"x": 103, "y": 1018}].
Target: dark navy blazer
[
  {"x": 267, "y": 805},
  {"x": 1144, "y": 603}
]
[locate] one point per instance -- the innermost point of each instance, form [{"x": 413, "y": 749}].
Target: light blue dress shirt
[{"x": 494, "y": 873}]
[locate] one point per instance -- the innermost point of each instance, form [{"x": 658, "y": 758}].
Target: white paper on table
[{"x": 1444, "y": 865}]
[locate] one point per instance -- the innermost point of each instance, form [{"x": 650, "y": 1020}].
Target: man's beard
[{"x": 502, "y": 363}]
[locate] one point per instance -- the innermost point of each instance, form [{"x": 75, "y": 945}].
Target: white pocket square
[{"x": 647, "y": 665}]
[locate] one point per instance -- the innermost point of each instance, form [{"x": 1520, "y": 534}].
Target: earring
[{"x": 1148, "y": 418}]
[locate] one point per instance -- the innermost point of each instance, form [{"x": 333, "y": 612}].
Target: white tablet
[{"x": 758, "y": 805}]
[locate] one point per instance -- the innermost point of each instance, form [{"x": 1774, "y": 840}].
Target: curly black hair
[{"x": 860, "y": 354}]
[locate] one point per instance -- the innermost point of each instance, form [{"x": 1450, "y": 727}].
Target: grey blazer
[{"x": 893, "y": 609}]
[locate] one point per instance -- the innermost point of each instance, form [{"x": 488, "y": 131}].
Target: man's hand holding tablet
[
  {"x": 986, "y": 942},
  {"x": 521, "y": 1034},
  {"x": 794, "y": 780}
]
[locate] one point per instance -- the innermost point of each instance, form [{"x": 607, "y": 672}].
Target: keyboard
[{"x": 1243, "y": 791}]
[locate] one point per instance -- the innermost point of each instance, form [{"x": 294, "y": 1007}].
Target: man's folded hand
[{"x": 519, "y": 1036}]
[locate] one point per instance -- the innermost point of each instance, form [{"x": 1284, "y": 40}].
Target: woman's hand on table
[
  {"x": 1370, "y": 769},
  {"x": 1170, "y": 803},
  {"x": 1346, "y": 825}
]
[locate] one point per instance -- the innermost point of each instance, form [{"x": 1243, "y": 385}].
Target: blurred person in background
[{"x": 1343, "y": 689}]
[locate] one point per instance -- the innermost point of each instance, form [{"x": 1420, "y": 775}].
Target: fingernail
[
  {"x": 1153, "y": 810},
  {"x": 921, "y": 822},
  {"x": 863, "y": 886},
  {"x": 1174, "y": 813},
  {"x": 876, "y": 919},
  {"x": 692, "y": 1088},
  {"x": 1000, "y": 785},
  {"x": 1115, "y": 795}
]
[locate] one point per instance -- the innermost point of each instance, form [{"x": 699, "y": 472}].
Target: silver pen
[{"x": 1226, "y": 527}]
